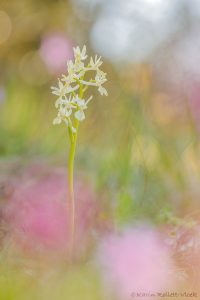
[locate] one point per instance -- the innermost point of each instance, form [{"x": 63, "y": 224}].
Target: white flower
[
  {"x": 81, "y": 106},
  {"x": 96, "y": 63},
  {"x": 80, "y": 102},
  {"x": 102, "y": 91},
  {"x": 100, "y": 77},
  {"x": 74, "y": 68},
  {"x": 57, "y": 90},
  {"x": 62, "y": 90},
  {"x": 64, "y": 112},
  {"x": 79, "y": 115},
  {"x": 80, "y": 54}
]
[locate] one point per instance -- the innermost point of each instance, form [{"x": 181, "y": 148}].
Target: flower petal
[
  {"x": 79, "y": 115},
  {"x": 102, "y": 91}
]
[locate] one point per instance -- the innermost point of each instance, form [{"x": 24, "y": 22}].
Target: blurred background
[{"x": 138, "y": 148}]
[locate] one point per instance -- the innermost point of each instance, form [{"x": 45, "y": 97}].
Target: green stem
[
  {"x": 71, "y": 202},
  {"x": 73, "y": 139}
]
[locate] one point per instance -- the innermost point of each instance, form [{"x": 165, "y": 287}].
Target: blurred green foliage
[
  {"x": 77, "y": 282},
  {"x": 138, "y": 147}
]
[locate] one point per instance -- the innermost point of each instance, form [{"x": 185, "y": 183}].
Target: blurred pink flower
[
  {"x": 37, "y": 212},
  {"x": 135, "y": 262},
  {"x": 55, "y": 50}
]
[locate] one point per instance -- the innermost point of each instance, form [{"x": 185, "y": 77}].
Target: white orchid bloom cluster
[{"x": 71, "y": 87}]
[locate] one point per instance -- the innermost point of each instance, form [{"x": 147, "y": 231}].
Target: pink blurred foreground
[
  {"x": 36, "y": 212},
  {"x": 136, "y": 261}
]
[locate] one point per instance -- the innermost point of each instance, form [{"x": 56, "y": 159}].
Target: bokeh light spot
[
  {"x": 55, "y": 50},
  {"x": 5, "y": 27},
  {"x": 33, "y": 70}
]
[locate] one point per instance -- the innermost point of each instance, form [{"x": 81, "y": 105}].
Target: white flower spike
[
  {"x": 71, "y": 87},
  {"x": 71, "y": 106}
]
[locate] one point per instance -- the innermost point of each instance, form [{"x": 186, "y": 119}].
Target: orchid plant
[{"x": 71, "y": 105}]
